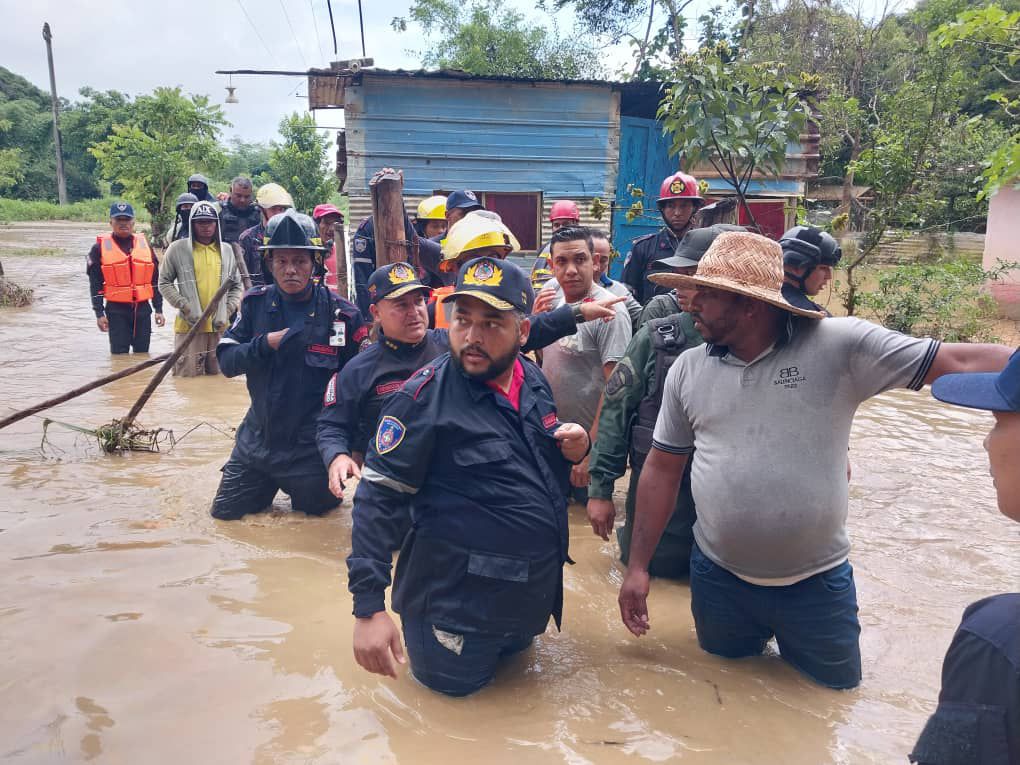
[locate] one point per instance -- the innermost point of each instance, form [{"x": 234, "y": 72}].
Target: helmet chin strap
[{"x": 800, "y": 281}]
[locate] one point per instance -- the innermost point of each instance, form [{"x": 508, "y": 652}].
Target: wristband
[
  {"x": 586, "y": 451},
  {"x": 575, "y": 309}
]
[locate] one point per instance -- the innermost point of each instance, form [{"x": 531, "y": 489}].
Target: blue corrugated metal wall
[{"x": 492, "y": 136}]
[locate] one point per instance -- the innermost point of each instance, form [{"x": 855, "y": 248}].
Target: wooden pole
[
  {"x": 61, "y": 183},
  {"x": 172, "y": 358},
  {"x": 388, "y": 217},
  {"x": 13, "y": 418},
  {"x": 340, "y": 261},
  {"x": 242, "y": 266}
]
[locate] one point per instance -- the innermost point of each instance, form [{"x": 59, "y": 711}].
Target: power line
[
  {"x": 297, "y": 42},
  {"x": 318, "y": 38},
  {"x": 332, "y": 26},
  {"x": 256, "y": 30}
]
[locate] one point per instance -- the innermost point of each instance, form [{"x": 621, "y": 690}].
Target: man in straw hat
[{"x": 765, "y": 408}]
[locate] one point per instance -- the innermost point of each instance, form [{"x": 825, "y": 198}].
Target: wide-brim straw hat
[{"x": 743, "y": 263}]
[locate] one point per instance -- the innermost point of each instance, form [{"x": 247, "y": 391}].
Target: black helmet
[
  {"x": 808, "y": 247},
  {"x": 291, "y": 230}
]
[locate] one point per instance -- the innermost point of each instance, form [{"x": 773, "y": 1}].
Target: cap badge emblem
[{"x": 485, "y": 273}]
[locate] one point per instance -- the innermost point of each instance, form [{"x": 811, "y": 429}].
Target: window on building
[{"x": 521, "y": 211}]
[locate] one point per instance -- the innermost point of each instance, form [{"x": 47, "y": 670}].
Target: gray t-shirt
[
  {"x": 573, "y": 365},
  {"x": 769, "y": 440}
]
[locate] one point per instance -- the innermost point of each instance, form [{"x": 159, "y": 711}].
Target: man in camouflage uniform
[{"x": 632, "y": 399}]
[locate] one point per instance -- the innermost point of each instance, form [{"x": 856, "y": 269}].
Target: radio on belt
[{"x": 338, "y": 336}]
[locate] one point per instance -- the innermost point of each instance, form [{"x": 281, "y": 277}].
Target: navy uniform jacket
[
  {"x": 286, "y": 386},
  {"x": 353, "y": 401},
  {"x": 644, "y": 251},
  {"x": 486, "y": 489},
  {"x": 363, "y": 244}
]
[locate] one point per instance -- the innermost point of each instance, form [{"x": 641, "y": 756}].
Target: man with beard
[
  {"x": 679, "y": 200},
  {"x": 400, "y": 309},
  {"x": 770, "y": 554},
  {"x": 470, "y": 449}
]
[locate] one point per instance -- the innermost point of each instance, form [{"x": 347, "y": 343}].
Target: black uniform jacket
[
  {"x": 485, "y": 486},
  {"x": 286, "y": 385},
  {"x": 352, "y": 403}
]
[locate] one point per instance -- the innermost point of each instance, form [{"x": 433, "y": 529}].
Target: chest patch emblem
[
  {"x": 389, "y": 434},
  {"x": 789, "y": 377}
]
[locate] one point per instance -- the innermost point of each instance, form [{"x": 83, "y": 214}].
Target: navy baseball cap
[
  {"x": 993, "y": 391},
  {"x": 465, "y": 200},
  {"x": 499, "y": 283},
  {"x": 391, "y": 281},
  {"x": 695, "y": 244},
  {"x": 121, "y": 210}
]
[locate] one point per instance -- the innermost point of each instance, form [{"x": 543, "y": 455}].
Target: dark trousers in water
[
  {"x": 245, "y": 489},
  {"x": 130, "y": 327},
  {"x": 452, "y": 663}
]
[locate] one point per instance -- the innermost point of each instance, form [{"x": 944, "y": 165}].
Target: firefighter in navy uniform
[
  {"x": 123, "y": 274},
  {"x": 471, "y": 450},
  {"x": 400, "y": 303},
  {"x": 288, "y": 340},
  {"x": 679, "y": 201}
]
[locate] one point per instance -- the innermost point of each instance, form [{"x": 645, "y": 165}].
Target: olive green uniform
[
  {"x": 659, "y": 307},
  {"x": 624, "y": 431}
]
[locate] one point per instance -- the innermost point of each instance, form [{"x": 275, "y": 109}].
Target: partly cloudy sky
[{"x": 137, "y": 45}]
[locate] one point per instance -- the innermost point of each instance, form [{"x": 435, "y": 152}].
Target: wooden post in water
[
  {"x": 35, "y": 409},
  {"x": 242, "y": 267},
  {"x": 388, "y": 217},
  {"x": 157, "y": 378},
  {"x": 343, "y": 288}
]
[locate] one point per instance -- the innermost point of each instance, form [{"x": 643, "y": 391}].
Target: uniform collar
[{"x": 398, "y": 346}]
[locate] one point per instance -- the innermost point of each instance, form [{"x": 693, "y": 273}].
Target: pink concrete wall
[{"x": 1002, "y": 242}]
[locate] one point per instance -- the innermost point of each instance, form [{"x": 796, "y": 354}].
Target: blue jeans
[
  {"x": 457, "y": 664},
  {"x": 814, "y": 621}
]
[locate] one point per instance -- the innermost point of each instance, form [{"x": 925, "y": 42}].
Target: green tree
[
  {"x": 486, "y": 38},
  {"x": 168, "y": 137},
  {"x": 299, "y": 162},
  {"x": 996, "y": 32},
  {"x": 82, "y": 125},
  {"x": 248, "y": 159},
  {"x": 736, "y": 116}
]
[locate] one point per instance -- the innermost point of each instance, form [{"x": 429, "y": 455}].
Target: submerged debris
[
  {"x": 13, "y": 295},
  {"x": 114, "y": 437}
]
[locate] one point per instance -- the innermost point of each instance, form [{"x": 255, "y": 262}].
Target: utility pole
[{"x": 61, "y": 183}]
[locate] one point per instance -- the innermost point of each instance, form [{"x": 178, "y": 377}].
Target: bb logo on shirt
[{"x": 789, "y": 377}]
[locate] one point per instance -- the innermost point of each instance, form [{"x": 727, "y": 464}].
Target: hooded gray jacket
[{"x": 177, "y": 282}]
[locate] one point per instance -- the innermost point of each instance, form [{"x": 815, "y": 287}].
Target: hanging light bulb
[{"x": 231, "y": 98}]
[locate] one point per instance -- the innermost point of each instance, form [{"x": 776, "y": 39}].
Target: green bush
[
  {"x": 90, "y": 210},
  {"x": 943, "y": 299}
]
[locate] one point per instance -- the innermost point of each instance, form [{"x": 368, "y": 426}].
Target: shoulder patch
[
  {"x": 360, "y": 244},
  {"x": 622, "y": 377},
  {"x": 389, "y": 434}
]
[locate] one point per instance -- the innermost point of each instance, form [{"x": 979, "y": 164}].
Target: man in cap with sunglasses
[
  {"x": 978, "y": 716},
  {"x": 288, "y": 340},
  {"x": 471, "y": 450},
  {"x": 764, "y": 412}
]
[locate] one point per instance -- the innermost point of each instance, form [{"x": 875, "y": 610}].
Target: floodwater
[{"x": 134, "y": 628}]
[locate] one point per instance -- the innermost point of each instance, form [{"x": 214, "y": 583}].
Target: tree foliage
[
  {"x": 737, "y": 116},
  {"x": 168, "y": 137},
  {"x": 485, "y": 37},
  {"x": 299, "y": 162}
]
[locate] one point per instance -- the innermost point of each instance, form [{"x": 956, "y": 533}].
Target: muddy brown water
[{"x": 133, "y": 628}]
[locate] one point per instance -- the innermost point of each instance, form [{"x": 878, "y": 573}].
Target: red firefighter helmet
[
  {"x": 564, "y": 209},
  {"x": 680, "y": 186}
]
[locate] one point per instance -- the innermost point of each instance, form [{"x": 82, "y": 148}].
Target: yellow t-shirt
[{"x": 207, "y": 279}]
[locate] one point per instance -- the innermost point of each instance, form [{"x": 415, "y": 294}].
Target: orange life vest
[
  {"x": 126, "y": 278},
  {"x": 439, "y": 295}
]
